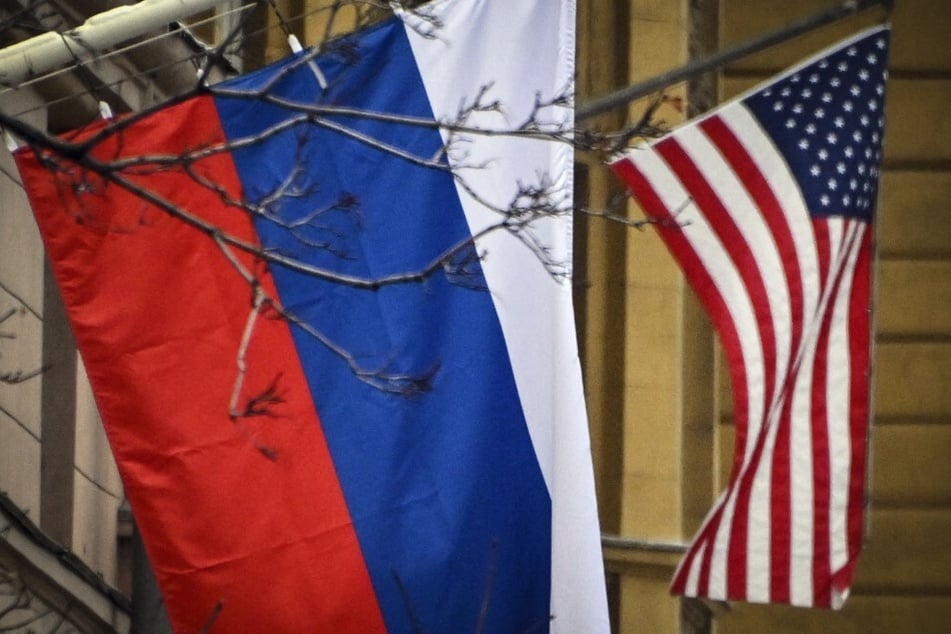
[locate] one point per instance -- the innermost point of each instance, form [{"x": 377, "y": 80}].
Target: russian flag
[{"x": 305, "y": 448}]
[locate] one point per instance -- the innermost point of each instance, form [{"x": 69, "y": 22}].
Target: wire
[
  {"x": 194, "y": 57},
  {"x": 622, "y": 97},
  {"x": 125, "y": 49},
  {"x": 80, "y": 64},
  {"x": 285, "y": 27}
]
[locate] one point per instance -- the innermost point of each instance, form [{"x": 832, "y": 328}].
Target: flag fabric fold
[
  {"x": 767, "y": 205},
  {"x": 302, "y": 453}
]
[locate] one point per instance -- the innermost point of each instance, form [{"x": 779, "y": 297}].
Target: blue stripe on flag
[{"x": 445, "y": 490}]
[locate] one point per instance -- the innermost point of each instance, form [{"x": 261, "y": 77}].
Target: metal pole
[
  {"x": 629, "y": 543},
  {"x": 35, "y": 56},
  {"x": 696, "y": 67}
]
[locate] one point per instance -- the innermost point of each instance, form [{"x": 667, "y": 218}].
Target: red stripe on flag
[
  {"x": 762, "y": 194},
  {"x": 820, "y": 231},
  {"x": 750, "y": 176},
  {"x": 831, "y": 263},
  {"x": 822, "y": 460},
  {"x": 764, "y": 144},
  {"x": 860, "y": 355},
  {"x": 724, "y": 226},
  {"x": 158, "y": 314},
  {"x": 672, "y": 235},
  {"x": 820, "y": 472}
]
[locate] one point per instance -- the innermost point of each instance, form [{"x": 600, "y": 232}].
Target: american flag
[{"x": 767, "y": 203}]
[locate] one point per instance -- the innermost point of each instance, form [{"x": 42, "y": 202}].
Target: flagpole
[
  {"x": 35, "y": 56},
  {"x": 712, "y": 62}
]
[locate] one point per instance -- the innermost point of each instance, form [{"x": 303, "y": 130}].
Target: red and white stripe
[{"x": 789, "y": 296}]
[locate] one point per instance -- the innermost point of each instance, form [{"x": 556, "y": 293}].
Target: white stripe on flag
[
  {"x": 839, "y": 391},
  {"x": 765, "y": 412},
  {"x": 693, "y": 577},
  {"x": 756, "y": 235},
  {"x": 715, "y": 259},
  {"x": 757, "y": 238},
  {"x": 749, "y": 132},
  {"x": 518, "y": 51},
  {"x": 781, "y": 530}
]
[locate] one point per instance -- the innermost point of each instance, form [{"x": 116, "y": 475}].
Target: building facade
[
  {"x": 66, "y": 533},
  {"x": 658, "y": 392}
]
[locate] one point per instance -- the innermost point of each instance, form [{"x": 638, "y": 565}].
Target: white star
[
  {"x": 864, "y": 120},
  {"x": 851, "y": 52},
  {"x": 790, "y": 123},
  {"x": 832, "y": 138},
  {"x": 857, "y": 135},
  {"x": 842, "y": 67},
  {"x": 819, "y": 113},
  {"x": 824, "y": 200},
  {"x": 834, "y": 82},
  {"x": 872, "y": 105},
  {"x": 871, "y": 58},
  {"x": 846, "y": 200},
  {"x": 840, "y": 168},
  {"x": 807, "y": 93},
  {"x": 839, "y": 122},
  {"x": 795, "y": 78},
  {"x": 804, "y": 144},
  {"x": 863, "y": 75},
  {"x": 823, "y": 154},
  {"x": 847, "y": 106},
  {"x": 810, "y": 128},
  {"x": 853, "y": 184},
  {"x": 826, "y": 97},
  {"x": 861, "y": 169},
  {"x": 824, "y": 63},
  {"x": 815, "y": 171},
  {"x": 778, "y": 106},
  {"x": 832, "y": 184},
  {"x": 855, "y": 90},
  {"x": 880, "y": 90},
  {"x": 880, "y": 43},
  {"x": 785, "y": 92},
  {"x": 797, "y": 108},
  {"x": 849, "y": 152}
]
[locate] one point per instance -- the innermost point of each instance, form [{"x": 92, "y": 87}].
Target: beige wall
[
  {"x": 78, "y": 505},
  {"x": 97, "y": 490},
  {"x": 647, "y": 350},
  {"x": 903, "y": 581},
  {"x": 663, "y": 435},
  {"x": 21, "y": 276}
]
